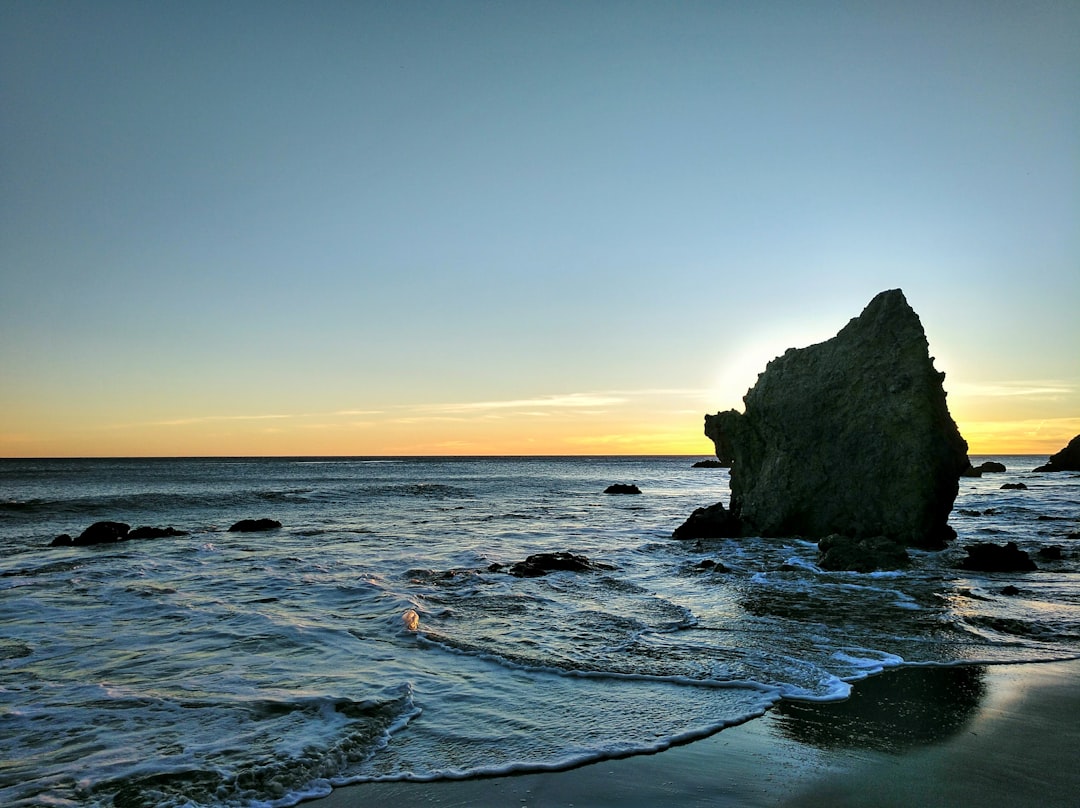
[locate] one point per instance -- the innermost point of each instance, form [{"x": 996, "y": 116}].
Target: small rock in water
[
  {"x": 254, "y": 525},
  {"x": 103, "y": 533},
  {"x": 986, "y": 557},
  {"x": 622, "y": 488},
  {"x": 542, "y": 563},
  {"x": 713, "y": 522},
  {"x": 1014, "y": 487}
]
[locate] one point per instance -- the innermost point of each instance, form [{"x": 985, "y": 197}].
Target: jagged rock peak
[{"x": 849, "y": 436}]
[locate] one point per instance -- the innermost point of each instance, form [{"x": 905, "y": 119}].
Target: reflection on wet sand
[{"x": 893, "y": 712}]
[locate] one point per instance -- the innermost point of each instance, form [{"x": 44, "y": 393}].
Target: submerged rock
[
  {"x": 851, "y": 554},
  {"x": 986, "y": 557},
  {"x": 711, "y": 464},
  {"x": 540, "y": 564},
  {"x": 1014, "y": 487},
  {"x": 851, "y": 436},
  {"x": 102, "y": 533},
  {"x": 254, "y": 525},
  {"x": 1068, "y": 459},
  {"x": 622, "y": 488},
  {"x": 713, "y": 522},
  {"x": 148, "y": 532}
]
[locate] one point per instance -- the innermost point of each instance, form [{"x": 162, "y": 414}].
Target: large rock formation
[
  {"x": 1068, "y": 459},
  {"x": 849, "y": 436}
]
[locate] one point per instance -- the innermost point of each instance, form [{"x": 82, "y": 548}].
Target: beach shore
[{"x": 967, "y": 736}]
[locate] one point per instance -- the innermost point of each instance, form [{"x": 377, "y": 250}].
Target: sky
[{"x": 427, "y": 228}]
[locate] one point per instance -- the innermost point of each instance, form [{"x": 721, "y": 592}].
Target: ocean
[{"x": 260, "y": 669}]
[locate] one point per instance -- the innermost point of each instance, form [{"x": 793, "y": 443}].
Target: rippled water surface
[{"x": 221, "y": 668}]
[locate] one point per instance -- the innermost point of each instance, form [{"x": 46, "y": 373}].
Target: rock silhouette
[
  {"x": 1068, "y": 459},
  {"x": 851, "y": 436}
]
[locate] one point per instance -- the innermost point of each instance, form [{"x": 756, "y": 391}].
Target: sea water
[{"x": 374, "y": 636}]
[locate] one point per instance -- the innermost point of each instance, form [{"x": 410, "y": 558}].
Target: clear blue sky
[{"x": 420, "y": 227}]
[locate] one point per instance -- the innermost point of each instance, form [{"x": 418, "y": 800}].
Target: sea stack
[
  {"x": 851, "y": 436},
  {"x": 1068, "y": 459}
]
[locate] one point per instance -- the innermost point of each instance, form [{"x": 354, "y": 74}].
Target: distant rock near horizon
[
  {"x": 1068, "y": 459},
  {"x": 851, "y": 436}
]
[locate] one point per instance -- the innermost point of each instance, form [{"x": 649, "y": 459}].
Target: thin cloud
[
  {"x": 202, "y": 419},
  {"x": 566, "y": 401},
  {"x": 1018, "y": 389}
]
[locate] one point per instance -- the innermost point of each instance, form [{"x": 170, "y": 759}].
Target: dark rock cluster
[
  {"x": 540, "y": 564},
  {"x": 871, "y": 554},
  {"x": 986, "y": 557},
  {"x": 988, "y": 467},
  {"x": 622, "y": 488},
  {"x": 109, "y": 532}
]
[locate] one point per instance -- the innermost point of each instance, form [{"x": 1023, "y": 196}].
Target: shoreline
[{"x": 964, "y": 735}]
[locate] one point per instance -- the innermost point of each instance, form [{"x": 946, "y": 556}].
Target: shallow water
[{"x": 219, "y": 668}]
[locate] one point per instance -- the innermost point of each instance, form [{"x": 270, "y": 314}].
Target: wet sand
[{"x": 969, "y": 736}]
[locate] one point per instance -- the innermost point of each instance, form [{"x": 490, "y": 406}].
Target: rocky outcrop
[
  {"x": 254, "y": 525},
  {"x": 622, "y": 488},
  {"x": 109, "y": 532},
  {"x": 540, "y": 564},
  {"x": 871, "y": 554},
  {"x": 713, "y": 522},
  {"x": 851, "y": 436},
  {"x": 986, "y": 557},
  {"x": 711, "y": 464},
  {"x": 988, "y": 467},
  {"x": 1068, "y": 459}
]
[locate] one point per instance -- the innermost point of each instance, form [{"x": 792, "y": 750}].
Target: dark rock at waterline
[
  {"x": 711, "y": 566},
  {"x": 1010, "y": 590},
  {"x": 102, "y": 533},
  {"x": 987, "y": 467},
  {"x": 713, "y": 522},
  {"x": 1014, "y": 487},
  {"x": 148, "y": 532},
  {"x": 622, "y": 488},
  {"x": 1068, "y": 459},
  {"x": 986, "y": 557},
  {"x": 711, "y": 464},
  {"x": 850, "y": 436},
  {"x": 254, "y": 525},
  {"x": 1052, "y": 552},
  {"x": 110, "y": 532},
  {"x": 853, "y": 554},
  {"x": 540, "y": 564}
]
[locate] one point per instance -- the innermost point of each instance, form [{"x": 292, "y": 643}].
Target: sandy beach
[{"x": 960, "y": 736}]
